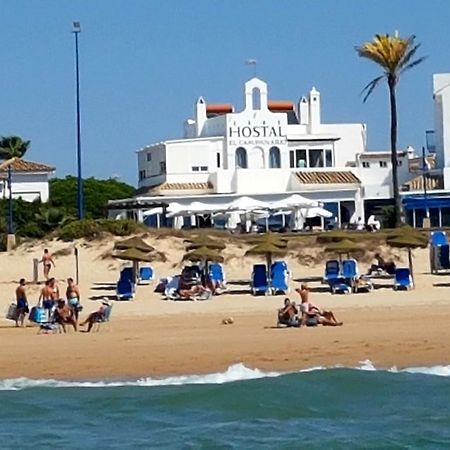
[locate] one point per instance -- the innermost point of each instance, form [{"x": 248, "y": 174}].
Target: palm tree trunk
[
  {"x": 394, "y": 163},
  {"x": 410, "y": 262}
]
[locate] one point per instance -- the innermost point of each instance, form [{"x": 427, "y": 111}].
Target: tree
[
  {"x": 395, "y": 55},
  {"x": 12, "y": 147}
]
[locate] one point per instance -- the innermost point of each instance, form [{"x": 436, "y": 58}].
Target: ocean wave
[{"x": 236, "y": 372}]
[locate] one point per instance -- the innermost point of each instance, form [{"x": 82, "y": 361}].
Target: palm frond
[
  {"x": 369, "y": 88},
  {"x": 413, "y": 64}
]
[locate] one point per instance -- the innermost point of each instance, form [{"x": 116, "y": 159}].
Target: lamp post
[
  {"x": 76, "y": 30},
  {"x": 10, "y": 203},
  {"x": 424, "y": 175}
]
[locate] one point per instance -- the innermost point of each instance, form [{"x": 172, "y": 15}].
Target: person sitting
[
  {"x": 64, "y": 315},
  {"x": 373, "y": 224},
  {"x": 382, "y": 266},
  {"x": 96, "y": 316},
  {"x": 189, "y": 292},
  {"x": 288, "y": 315},
  {"x": 312, "y": 315}
]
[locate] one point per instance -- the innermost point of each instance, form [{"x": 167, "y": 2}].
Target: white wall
[{"x": 28, "y": 186}]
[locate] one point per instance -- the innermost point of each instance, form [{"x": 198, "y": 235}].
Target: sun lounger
[
  {"x": 126, "y": 274},
  {"x": 339, "y": 285},
  {"x": 363, "y": 284},
  {"x": 279, "y": 278},
  {"x": 402, "y": 279},
  {"x": 350, "y": 271},
  {"x": 260, "y": 282},
  {"x": 216, "y": 273},
  {"x": 146, "y": 275},
  {"x": 124, "y": 290},
  {"x": 171, "y": 290},
  {"x": 438, "y": 238},
  {"x": 332, "y": 270}
]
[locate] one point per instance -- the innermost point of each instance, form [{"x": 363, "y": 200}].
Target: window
[
  {"x": 256, "y": 98},
  {"x": 199, "y": 168},
  {"x": 141, "y": 175},
  {"x": 297, "y": 158},
  {"x": 241, "y": 158},
  {"x": 383, "y": 164},
  {"x": 218, "y": 160},
  {"x": 328, "y": 158},
  {"x": 203, "y": 168},
  {"x": 274, "y": 158},
  {"x": 316, "y": 158},
  {"x": 149, "y": 157},
  {"x": 162, "y": 167},
  {"x": 195, "y": 168},
  {"x": 366, "y": 164}
]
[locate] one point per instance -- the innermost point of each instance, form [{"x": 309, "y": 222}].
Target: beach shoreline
[{"x": 163, "y": 346}]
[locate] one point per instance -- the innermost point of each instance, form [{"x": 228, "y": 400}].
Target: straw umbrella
[
  {"x": 203, "y": 240},
  {"x": 268, "y": 250},
  {"x": 204, "y": 255},
  {"x": 336, "y": 236},
  {"x": 269, "y": 238},
  {"x": 408, "y": 241},
  {"x": 136, "y": 256},
  {"x": 344, "y": 246},
  {"x": 134, "y": 242}
]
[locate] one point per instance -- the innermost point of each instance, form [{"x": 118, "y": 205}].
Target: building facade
[{"x": 269, "y": 149}]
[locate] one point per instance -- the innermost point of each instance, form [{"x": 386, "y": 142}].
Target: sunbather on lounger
[
  {"x": 193, "y": 291},
  {"x": 312, "y": 313},
  {"x": 288, "y": 315},
  {"x": 388, "y": 267},
  {"x": 64, "y": 315}
]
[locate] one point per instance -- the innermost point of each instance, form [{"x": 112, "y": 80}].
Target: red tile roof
[
  {"x": 20, "y": 165},
  {"x": 322, "y": 177},
  {"x": 175, "y": 187}
]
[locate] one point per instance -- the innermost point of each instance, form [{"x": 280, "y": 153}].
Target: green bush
[{"x": 94, "y": 229}]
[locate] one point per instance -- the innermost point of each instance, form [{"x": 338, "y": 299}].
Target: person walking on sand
[
  {"x": 47, "y": 261},
  {"x": 22, "y": 303},
  {"x": 46, "y": 298},
  {"x": 73, "y": 297},
  {"x": 313, "y": 315}
]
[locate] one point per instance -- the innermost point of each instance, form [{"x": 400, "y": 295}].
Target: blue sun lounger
[
  {"x": 216, "y": 273},
  {"x": 279, "y": 277},
  {"x": 260, "y": 282},
  {"x": 340, "y": 285},
  {"x": 124, "y": 290},
  {"x": 146, "y": 275},
  {"x": 332, "y": 270},
  {"x": 403, "y": 279}
]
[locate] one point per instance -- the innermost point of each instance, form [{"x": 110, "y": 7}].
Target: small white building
[
  {"x": 268, "y": 150},
  {"x": 29, "y": 180}
]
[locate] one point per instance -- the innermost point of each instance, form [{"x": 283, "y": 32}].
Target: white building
[
  {"x": 29, "y": 180},
  {"x": 267, "y": 150}
]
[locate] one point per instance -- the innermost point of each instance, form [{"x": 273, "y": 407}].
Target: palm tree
[
  {"x": 12, "y": 148},
  {"x": 395, "y": 55}
]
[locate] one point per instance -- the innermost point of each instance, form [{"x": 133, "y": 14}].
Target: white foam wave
[{"x": 236, "y": 372}]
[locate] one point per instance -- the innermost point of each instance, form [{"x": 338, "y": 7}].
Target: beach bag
[
  {"x": 11, "y": 314},
  {"x": 38, "y": 315}
]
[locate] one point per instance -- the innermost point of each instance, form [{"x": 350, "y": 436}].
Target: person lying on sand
[
  {"x": 96, "y": 316},
  {"x": 313, "y": 315},
  {"x": 64, "y": 315},
  {"x": 288, "y": 315}
]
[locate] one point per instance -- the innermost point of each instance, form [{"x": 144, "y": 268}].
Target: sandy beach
[{"x": 150, "y": 337}]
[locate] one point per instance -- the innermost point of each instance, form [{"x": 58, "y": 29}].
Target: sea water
[{"x": 239, "y": 408}]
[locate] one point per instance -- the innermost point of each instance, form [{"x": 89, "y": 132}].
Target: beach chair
[
  {"x": 350, "y": 271},
  {"x": 124, "y": 290},
  {"x": 146, "y": 275},
  {"x": 332, "y": 270},
  {"x": 126, "y": 274},
  {"x": 402, "y": 279},
  {"x": 279, "y": 277},
  {"x": 340, "y": 285},
  {"x": 104, "y": 319},
  {"x": 438, "y": 238},
  {"x": 260, "y": 282},
  {"x": 217, "y": 275},
  {"x": 171, "y": 290}
]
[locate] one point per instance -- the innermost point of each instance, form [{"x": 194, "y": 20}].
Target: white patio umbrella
[
  {"x": 153, "y": 211},
  {"x": 294, "y": 201},
  {"x": 246, "y": 204},
  {"x": 310, "y": 213}
]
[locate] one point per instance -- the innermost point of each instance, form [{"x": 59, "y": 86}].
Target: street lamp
[
  {"x": 425, "y": 169},
  {"x": 76, "y": 29}
]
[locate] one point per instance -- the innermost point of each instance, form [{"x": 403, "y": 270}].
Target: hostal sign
[{"x": 256, "y": 135}]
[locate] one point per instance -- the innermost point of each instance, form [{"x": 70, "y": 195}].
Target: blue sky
[{"x": 144, "y": 63}]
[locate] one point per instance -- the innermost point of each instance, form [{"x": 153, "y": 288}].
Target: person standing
[
  {"x": 73, "y": 297},
  {"x": 22, "y": 303},
  {"x": 47, "y": 261}
]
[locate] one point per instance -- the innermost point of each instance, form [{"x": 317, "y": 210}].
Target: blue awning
[{"x": 419, "y": 202}]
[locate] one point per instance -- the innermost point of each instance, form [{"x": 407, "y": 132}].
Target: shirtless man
[
  {"x": 313, "y": 315},
  {"x": 22, "y": 303},
  {"x": 288, "y": 314},
  {"x": 47, "y": 261},
  {"x": 47, "y": 297},
  {"x": 73, "y": 297},
  {"x": 64, "y": 315}
]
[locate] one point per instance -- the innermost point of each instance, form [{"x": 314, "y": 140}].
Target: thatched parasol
[
  {"x": 344, "y": 246},
  {"x": 134, "y": 242},
  {"x": 410, "y": 232},
  {"x": 203, "y": 254},
  {"x": 408, "y": 241},
  {"x": 268, "y": 250},
  {"x": 203, "y": 240},
  {"x": 136, "y": 256},
  {"x": 269, "y": 238},
  {"x": 336, "y": 236}
]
